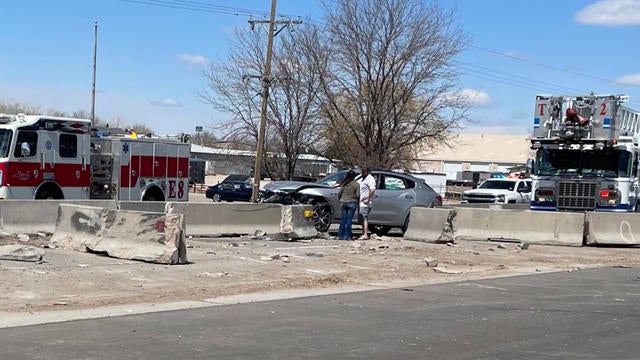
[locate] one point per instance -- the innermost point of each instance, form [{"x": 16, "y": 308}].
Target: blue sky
[{"x": 151, "y": 58}]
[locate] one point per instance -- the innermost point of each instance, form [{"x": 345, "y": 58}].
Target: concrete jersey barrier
[
  {"x": 146, "y": 236},
  {"x": 212, "y": 219},
  {"x": 32, "y": 216},
  {"x": 553, "y": 228},
  {"x": 430, "y": 225},
  {"x": 613, "y": 228}
]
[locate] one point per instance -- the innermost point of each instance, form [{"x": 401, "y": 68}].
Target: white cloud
[
  {"x": 193, "y": 59},
  {"x": 166, "y": 102},
  {"x": 476, "y": 98},
  {"x": 610, "y": 13},
  {"x": 630, "y": 79}
]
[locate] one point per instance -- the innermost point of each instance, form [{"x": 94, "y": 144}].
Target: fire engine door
[{"x": 48, "y": 146}]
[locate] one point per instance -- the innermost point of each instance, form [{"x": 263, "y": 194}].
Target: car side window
[
  {"x": 523, "y": 187},
  {"x": 394, "y": 183}
]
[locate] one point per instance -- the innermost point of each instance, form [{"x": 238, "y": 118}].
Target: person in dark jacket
[{"x": 349, "y": 196}]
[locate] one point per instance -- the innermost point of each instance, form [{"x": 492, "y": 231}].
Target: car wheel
[
  {"x": 322, "y": 216},
  {"x": 405, "y": 226},
  {"x": 216, "y": 197},
  {"x": 380, "y": 230}
]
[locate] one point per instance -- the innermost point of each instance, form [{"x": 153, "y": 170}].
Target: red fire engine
[{"x": 47, "y": 157}]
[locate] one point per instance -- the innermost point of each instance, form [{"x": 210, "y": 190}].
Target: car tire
[
  {"x": 380, "y": 230},
  {"x": 405, "y": 226},
  {"x": 216, "y": 197},
  {"x": 322, "y": 216}
]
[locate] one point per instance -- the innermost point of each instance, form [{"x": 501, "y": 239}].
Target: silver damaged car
[{"x": 396, "y": 193}]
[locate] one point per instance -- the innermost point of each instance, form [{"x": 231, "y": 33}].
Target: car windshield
[
  {"x": 498, "y": 185},
  {"x": 5, "y": 142},
  {"x": 333, "y": 179}
]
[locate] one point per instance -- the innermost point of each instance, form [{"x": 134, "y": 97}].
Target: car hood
[
  {"x": 486, "y": 192},
  {"x": 290, "y": 186}
]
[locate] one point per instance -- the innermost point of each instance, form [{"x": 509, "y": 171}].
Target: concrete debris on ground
[
  {"x": 16, "y": 252},
  {"x": 444, "y": 270},
  {"x": 431, "y": 262}
]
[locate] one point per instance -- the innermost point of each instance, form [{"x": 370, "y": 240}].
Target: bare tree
[
  {"x": 389, "y": 89},
  {"x": 18, "y": 108},
  {"x": 292, "y": 118}
]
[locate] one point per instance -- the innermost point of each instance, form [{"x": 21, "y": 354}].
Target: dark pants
[{"x": 346, "y": 220}]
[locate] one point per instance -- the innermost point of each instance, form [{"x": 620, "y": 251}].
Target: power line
[
  {"x": 552, "y": 67},
  {"x": 500, "y": 75},
  {"x": 199, "y": 7}
]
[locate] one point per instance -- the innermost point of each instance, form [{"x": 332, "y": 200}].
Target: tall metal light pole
[
  {"x": 266, "y": 81},
  {"x": 93, "y": 84}
]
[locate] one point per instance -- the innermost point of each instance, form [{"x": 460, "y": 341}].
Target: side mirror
[
  {"x": 530, "y": 166},
  {"x": 25, "y": 149}
]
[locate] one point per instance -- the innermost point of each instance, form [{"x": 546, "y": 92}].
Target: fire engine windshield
[
  {"x": 601, "y": 163},
  {"x": 5, "y": 142}
]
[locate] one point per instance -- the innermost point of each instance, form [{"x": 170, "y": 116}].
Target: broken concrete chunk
[
  {"x": 500, "y": 246},
  {"x": 431, "y": 262},
  {"x": 23, "y": 237},
  {"x": 523, "y": 246},
  {"x": 443, "y": 270},
  {"x": 17, "y": 252}
]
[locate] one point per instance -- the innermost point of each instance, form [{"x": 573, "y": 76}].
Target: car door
[
  {"x": 226, "y": 191},
  {"x": 524, "y": 191},
  {"x": 392, "y": 200}
]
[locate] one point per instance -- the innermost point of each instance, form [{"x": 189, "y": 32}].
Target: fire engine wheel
[
  {"x": 49, "y": 194},
  {"x": 153, "y": 194}
]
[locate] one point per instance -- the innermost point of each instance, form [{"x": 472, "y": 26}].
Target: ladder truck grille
[{"x": 576, "y": 196}]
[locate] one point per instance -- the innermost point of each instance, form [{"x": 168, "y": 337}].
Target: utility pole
[
  {"x": 93, "y": 84},
  {"x": 266, "y": 82}
]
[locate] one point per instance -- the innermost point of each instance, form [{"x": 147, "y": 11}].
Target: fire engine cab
[
  {"x": 587, "y": 154},
  {"x": 47, "y": 157}
]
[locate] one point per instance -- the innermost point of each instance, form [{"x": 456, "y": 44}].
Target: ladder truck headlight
[
  {"x": 609, "y": 197},
  {"x": 545, "y": 195}
]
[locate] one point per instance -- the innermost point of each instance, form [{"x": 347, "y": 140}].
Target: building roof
[
  {"x": 198, "y": 149},
  {"x": 486, "y": 148}
]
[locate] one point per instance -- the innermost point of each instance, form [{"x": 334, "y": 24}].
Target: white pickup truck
[{"x": 500, "y": 190}]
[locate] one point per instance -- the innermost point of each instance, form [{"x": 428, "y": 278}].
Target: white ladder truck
[
  {"x": 586, "y": 154},
  {"x": 47, "y": 157}
]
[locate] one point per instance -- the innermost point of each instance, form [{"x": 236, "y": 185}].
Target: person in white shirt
[{"x": 367, "y": 189}]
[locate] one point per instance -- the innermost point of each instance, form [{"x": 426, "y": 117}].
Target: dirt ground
[{"x": 227, "y": 266}]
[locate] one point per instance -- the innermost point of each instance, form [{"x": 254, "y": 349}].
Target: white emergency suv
[
  {"x": 586, "y": 154},
  {"x": 46, "y": 157},
  {"x": 501, "y": 191}
]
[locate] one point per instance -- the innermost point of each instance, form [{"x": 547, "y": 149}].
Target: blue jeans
[{"x": 346, "y": 219}]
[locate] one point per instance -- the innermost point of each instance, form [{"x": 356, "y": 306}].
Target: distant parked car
[
  {"x": 396, "y": 193},
  {"x": 500, "y": 190},
  {"x": 230, "y": 191}
]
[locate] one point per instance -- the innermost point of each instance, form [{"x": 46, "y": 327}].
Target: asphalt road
[{"x": 586, "y": 314}]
